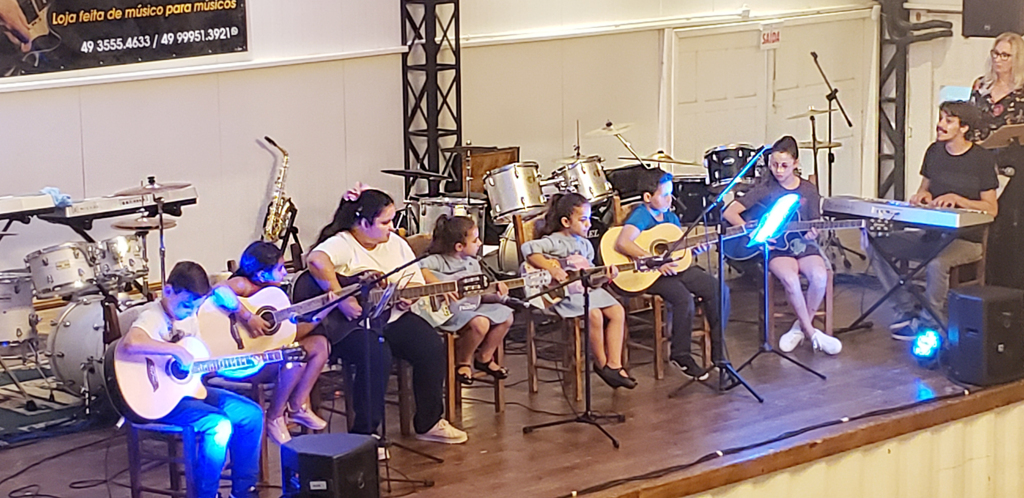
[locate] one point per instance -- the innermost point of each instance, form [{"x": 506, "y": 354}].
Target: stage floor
[{"x": 873, "y": 372}]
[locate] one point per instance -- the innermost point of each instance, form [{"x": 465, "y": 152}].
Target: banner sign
[{"x": 44, "y": 36}]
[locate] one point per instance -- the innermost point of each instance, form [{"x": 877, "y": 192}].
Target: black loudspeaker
[
  {"x": 330, "y": 466},
  {"x": 991, "y": 18},
  {"x": 986, "y": 334}
]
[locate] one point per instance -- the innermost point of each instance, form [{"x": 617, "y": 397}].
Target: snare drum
[
  {"x": 15, "y": 307},
  {"x": 62, "y": 270},
  {"x": 586, "y": 177},
  {"x": 514, "y": 189},
  {"x": 120, "y": 259},
  {"x": 725, "y": 161},
  {"x": 430, "y": 209},
  {"x": 76, "y": 347}
]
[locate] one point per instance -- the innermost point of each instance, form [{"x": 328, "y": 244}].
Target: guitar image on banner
[
  {"x": 40, "y": 38},
  {"x": 147, "y": 387},
  {"x": 440, "y": 311}
]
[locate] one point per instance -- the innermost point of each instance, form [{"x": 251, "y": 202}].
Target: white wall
[{"x": 483, "y": 18}]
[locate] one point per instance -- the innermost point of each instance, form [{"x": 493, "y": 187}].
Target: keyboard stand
[{"x": 905, "y": 279}]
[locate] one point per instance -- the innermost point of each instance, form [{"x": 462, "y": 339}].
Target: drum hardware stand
[
  {"x": 728, "y": 377},
  {"x": 832, "y": 240},
  {"x": 766, "y": 345},
  {"x": 627, "y": 145},
  {"x": 30, "y": 404},
  {"x": 588, "y": 416}
]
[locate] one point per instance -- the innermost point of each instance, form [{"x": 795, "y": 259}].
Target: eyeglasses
[{"x": 1002, "y": 56}]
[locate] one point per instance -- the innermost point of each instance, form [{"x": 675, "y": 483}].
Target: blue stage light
[
  {"x": 772, "y": 223},
  {"x": 926, "y": 345}
]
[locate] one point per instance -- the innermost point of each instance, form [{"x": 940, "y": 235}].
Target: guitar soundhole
[
  {"x": 176, "y": 371},
  {"x": 268, "y": 316},
  {"x": 659, "y": 248}
]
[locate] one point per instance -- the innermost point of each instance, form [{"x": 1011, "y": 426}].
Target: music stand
[
  {"x": 1004, "y": 137},
  {"x": 766, "y": 346}
]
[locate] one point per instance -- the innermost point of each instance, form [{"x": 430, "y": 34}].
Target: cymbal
[
  {"x": 810, "y": 112},
  {"x": 152, "y": 188},
  {"x": 806, "y": 144},
  {"x": 609, "y": 130},
  {"x": 660, "y": 157},
  {"x": 415, "y": 174},
  {"x": 143, "y": 224}
]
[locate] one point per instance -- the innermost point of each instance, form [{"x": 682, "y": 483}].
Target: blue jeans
[{"x": 223, "y": 422}]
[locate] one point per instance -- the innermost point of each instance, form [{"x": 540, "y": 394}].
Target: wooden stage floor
[{"x": 873, "y": 372}]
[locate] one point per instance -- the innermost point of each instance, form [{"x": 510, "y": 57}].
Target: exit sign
[{"x": 771, "y": 36}]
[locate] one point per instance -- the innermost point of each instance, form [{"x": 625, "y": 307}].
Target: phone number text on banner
[{"x": 44, "y": 36}]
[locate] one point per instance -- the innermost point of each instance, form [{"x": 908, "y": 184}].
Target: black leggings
[
  {"x": 369, "y": 356},
  {"x": 678, "y": 291}
]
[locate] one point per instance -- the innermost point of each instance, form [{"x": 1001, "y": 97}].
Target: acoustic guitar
[{"x": 147, "y": 387}]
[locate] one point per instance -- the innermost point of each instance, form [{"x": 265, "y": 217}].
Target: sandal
[
  {"x": 466, "y": 380},
  {"x": 498, "y": 373}
]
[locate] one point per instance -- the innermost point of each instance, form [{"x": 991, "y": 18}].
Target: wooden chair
[
  {"x": 181, "y": 453},
  {"x": 453, "y": 390},
  {"x": 660, "y": 313},
  {"x": 572, "y": 342},
  {"x": 974, "y": 269}
]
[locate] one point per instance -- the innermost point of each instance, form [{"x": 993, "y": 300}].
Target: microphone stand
[
  {"x": 832, "y": 240},
  {"x": 588, "y": 416},
  {"x": 728, "y": 377}
]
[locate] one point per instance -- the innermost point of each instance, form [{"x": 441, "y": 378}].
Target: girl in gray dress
[
  {"x": 562, "y": 240},
  {"x": 481, "y": 329}
]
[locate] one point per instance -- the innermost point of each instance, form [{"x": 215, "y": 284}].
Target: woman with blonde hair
[{"x": 999, "y": 93}]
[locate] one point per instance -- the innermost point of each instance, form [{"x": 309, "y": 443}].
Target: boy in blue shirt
[{"x": 676, "y": 286}]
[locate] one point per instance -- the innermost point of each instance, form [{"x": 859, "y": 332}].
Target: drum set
[{"x": 88, "y": 275}]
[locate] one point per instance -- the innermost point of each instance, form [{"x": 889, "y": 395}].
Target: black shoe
[
  {"x": 628, "y": 382},
  {"x": 688, "y": 367},
  {"x": 498, "y": 373},
  {"x": 612, "y": 377},
  {"x": 466, "y": 380}
]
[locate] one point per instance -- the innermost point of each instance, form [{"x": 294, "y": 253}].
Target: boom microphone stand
[
  {"x": 588, "y": 416},
  {"x": 831, "y": 239},
  {"x": 728, "y": 377}
]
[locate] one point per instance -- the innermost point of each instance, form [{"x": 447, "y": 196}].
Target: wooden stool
[
  {"x": 661, "y": 327},
  {"x": 179, "y": 463},
  {"x": 453, "y": 389}
]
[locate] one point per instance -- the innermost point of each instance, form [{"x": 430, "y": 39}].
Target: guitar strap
[{"x": 234, "y": 332}]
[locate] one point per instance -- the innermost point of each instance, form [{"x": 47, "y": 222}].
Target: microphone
[
  {"x": 270, "y": 140},
  {"x": 814, "y": 54}
]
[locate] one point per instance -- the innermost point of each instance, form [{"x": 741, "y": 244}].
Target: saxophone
[{"x": 281, "y": 207}]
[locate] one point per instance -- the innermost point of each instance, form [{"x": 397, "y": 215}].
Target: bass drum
[{"x": 76, "y": 347}]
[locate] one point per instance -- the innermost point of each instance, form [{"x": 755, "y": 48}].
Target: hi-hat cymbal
[
  {"x": 609, "y": 130},
  {"x": 659, "y": 157},
  {"x": 143, "y": 224},
  {"x": 810, "y": 112},
  {"x": 415, "y": 174},
  {"x": 152, "y": 188},
  {"x": 806, "y": 144}
]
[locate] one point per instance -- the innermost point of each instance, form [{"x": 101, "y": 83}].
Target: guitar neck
[{"x": 230, "y": 362}]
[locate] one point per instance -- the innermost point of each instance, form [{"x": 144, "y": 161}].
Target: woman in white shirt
[{"x": 361, "y": 237}]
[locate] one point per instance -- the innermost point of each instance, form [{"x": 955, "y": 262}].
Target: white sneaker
[
  {"x": 306, "y": 418},
  {"x": 826, "y": 343},
  {"x": 790, "y": 340},
  {"x": 277, "y": 429},
  {"x": 443, "y": 432}
]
